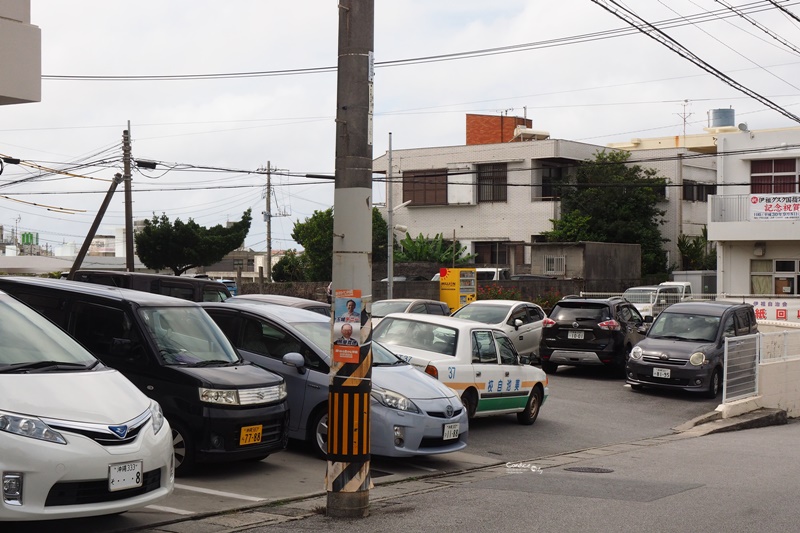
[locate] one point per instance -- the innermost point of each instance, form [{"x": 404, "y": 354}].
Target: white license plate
[
  {"x": 574, "y": 334},
  {"x": 661, "y": 372},
  {"x": 123, "y": 476},
  {"x": 450, "y": 432}
]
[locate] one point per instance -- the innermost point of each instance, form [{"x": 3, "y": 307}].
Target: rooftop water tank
[{"x": 723, "y": 117}]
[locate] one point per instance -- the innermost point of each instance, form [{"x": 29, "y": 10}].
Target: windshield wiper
[
  {"x": 673, "y": 337},
  {"x": 44, "y": 366},
  {"x": 214, "y": 362}
]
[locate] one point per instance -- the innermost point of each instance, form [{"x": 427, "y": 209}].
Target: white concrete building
[
  {"x": 20, "y": 54},
  {"x": 755, "y": 218}
]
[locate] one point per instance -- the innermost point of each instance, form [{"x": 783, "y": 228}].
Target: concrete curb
[{"x": 714, "y": 423}]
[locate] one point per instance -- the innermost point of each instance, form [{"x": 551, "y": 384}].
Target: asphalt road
[{"x": 587, "y": 408}]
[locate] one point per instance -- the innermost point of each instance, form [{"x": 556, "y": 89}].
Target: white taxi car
[{"x": 477, "y": 360}]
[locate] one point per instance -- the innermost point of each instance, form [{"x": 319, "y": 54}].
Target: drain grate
[{"x": 589, "y": 469}]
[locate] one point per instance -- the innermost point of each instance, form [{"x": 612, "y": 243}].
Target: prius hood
[
  {"x": 410, "y": 382},
  {"x": 97, "y": 396}
]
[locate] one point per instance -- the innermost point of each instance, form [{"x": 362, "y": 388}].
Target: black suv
[{"x": 590, "y": 331}]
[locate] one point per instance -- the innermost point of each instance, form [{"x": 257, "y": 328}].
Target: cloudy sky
[{"x": 577, "y": 70}]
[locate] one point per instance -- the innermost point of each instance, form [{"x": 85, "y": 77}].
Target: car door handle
[
  {"x": 507, "y": 373},
  {"x": 478, "y": 373}
]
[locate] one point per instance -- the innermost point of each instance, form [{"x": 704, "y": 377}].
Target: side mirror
[
  {"x": 295, "y": 360},
  {"x": 524, "y": 360},
  {"x": 648, "y": 319},
  {"x": 517, "y": 323}
]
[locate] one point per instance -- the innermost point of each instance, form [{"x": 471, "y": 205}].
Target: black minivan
[
  {"x": 192, "y": 289},
  {"x": 219, "y": 406}
]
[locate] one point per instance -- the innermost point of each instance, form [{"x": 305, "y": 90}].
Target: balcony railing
[{"x": 729, "y": 208}]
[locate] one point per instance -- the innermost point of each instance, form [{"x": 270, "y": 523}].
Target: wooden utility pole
[{"x": 348, "y": 475}]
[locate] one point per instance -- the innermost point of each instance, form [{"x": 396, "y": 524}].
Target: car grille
[
  {"x": 440, "y": 414},
  {"x": 658, "y": 361},
  {"x": 86, "y": 492},
  {"x": 100, "y": 433},
  {"x": 436, "y": 442},
  {"x": 259, "y": 396}
]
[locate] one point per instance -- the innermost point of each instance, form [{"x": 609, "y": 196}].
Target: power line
[{"x": 657, "y": 35}]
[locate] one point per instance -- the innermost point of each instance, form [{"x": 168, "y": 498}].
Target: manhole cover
[{"x": 589, "y": 469}]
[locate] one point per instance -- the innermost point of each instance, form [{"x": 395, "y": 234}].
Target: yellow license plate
[{"x": 250, "y": 435}]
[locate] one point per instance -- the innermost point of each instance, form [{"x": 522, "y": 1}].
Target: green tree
[
  {"x": 435, "y": 250},
  {"x": 185, "y": 245},
  {"x": 290, "y": 267},
  {"x": 611, "y": 200},
  {"x": 315, "y": 235}
]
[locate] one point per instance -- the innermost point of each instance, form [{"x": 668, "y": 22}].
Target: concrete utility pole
[
  {"x": 390, "y": 224},
  {"x": 126, "y": 177},
  {"x": 348, "y": 475},
  {"x": 268, "y": 216}
]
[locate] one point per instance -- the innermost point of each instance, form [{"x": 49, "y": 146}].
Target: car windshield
[
  {"x": 417, "y": 335},
  {"x": 488, "y": 314},
  {"x": 640, "y": 296},
  {"x": 27, "y": 337},
  {"x": 385, "y": 307},
  {"x": 582, "y": 311},
  {"x": 187, "y": 336},
  {"x": 381, "y": 356},
  {"x": 685, "y": 326}
]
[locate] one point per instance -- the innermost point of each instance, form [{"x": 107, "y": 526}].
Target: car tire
[
  {"x": 318, "y": 432},
  {"x": 183, "y": 448},
  {"x": 531, "y": 412},
  {"x": 470, "y": 401},
  {"x": 714, "y": 384},
  {"x": 549, "y": 368}
]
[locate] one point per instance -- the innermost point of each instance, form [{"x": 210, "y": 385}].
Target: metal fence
[{"x": 741, "y": 367}]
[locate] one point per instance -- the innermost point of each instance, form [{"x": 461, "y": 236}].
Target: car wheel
[
  {"x": 470, "y": 401},
  {"x": 531, "y": 412},
  {"x": 318, "y": 432},
  {"x": 183, "y": 448},
  {"x": 549, "y": 368},
  {"x": 714, "y": 384}
]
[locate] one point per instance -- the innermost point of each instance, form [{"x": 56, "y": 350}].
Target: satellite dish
[{"x": 743, "y": 126}]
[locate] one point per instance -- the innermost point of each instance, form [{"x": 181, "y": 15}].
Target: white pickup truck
[{"x": 650, "y": 300}]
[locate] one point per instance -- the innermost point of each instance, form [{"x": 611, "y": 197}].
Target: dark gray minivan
[
  {"x": 220, "y": 407},
  {"x": 685, "y": 346}
]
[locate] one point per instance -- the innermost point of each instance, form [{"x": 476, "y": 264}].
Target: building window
[
  {"x": 771, "y": 176},
  {"x": 492, "y": 182},
  {"x": 778, "y": 277},
  {"x": 425, "y": 187},
  {"x": 238, "y": 263},
  {"x": 491, "y": 253},
  {"x": 551, "y": 181},
  {"x": 555, "y": 264},
  {"x": 697, "y": 192}
]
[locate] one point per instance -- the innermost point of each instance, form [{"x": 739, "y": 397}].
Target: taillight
[
  {"x": 431, "y": 370},
  {"x": 548, "y": 322},
  {"x": 611, "y": 325}
]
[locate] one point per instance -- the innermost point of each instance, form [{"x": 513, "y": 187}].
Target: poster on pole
[{"x": 346, "y": 331}]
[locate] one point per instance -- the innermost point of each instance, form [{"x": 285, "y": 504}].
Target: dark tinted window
[
  {"x": 582, "y": 310},
  {"x": 438, "y": 309},
  {"x": 507, "y": 354}
]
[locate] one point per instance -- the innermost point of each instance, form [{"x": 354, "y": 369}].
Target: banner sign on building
[{"x": 775, "y": 206}]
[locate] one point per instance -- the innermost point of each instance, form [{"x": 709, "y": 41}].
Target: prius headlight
[
  {"x": 157, "y": 416},
  {"x": 393, "y": 400},
  {"x": 29, "y": 426}
]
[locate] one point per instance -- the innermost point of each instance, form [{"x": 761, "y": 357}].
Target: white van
[
  {"x": 77, "y": 438},
  {"x": 486, "y": 274}
]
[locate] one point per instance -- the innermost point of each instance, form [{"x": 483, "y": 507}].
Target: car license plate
[
  {"x": 574, "y": 334},
  {"x": 450, "y": 432},
  {"x": 661, "y": 372},
  {"x": 123, "y": 476},
  {"x": 250, "y": 435}
]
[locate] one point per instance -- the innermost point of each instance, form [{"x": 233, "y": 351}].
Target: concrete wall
[{"x": 20, "y": 54}]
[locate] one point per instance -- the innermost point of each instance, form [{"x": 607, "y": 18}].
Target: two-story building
[{"x": 496, "y": 194}]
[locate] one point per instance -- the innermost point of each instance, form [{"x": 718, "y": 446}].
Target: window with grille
[
  {"x": 771, "y": 176},
  {"x": 492, "y": 182},
  {"x": 555, "y": 264},
  {"x": 425, "y": 187},
  {"x": 551, "y": 179},
  {"x": 697, "y": 192}
]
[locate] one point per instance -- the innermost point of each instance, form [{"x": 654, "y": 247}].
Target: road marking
[
  {"x": 169, "y": 510},
  {"x": 219, "y": 493},
  {"x": 418, "y": 467}
]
